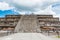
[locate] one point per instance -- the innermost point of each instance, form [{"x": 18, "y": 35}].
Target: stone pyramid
[{"x": 27, "y": 24}]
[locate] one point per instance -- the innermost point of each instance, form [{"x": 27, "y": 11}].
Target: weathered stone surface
[{"x": 27, "y": 24}]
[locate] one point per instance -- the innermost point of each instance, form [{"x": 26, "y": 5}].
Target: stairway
[{"x": 27, "y": 24}]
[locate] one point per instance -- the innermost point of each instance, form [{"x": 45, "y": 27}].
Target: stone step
[{"x": 27, "y": 23}]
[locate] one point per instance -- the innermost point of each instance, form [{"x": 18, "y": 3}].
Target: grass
[{"x": 57, "y": 36}]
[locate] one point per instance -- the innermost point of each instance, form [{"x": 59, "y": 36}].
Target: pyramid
[{"x": 27, "y": 24}]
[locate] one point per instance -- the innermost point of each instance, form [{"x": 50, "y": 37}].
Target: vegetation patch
[{"x": 57, "y": 36}]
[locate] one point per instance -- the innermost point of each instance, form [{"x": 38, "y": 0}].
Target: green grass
[{"x": 57, "y": 36}]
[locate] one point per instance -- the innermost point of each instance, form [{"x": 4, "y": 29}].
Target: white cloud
[
  {"x": 36, "y": 6},
  {"x": 30, "y": 5},
  {"x": 47, "y": 11},
  {"x": 5, "y": 6}
]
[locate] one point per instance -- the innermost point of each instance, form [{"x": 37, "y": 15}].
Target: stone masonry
[{"x": 27, "y": 24}]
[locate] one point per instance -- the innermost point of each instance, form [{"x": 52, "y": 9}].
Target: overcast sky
[{"x": 30, "y": 6}]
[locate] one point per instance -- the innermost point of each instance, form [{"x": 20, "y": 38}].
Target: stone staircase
[{"x": 27, "y": 24}]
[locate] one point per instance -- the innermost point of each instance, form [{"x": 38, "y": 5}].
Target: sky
[{"x": 30, "y": 6}]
